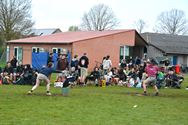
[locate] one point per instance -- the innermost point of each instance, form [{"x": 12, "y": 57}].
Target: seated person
[
  {"x": 160, "y": 79},
  {"x": 94, "y": 76},
  {"x": 132, "y": 78},
  {"x": 108, "y": 77},
  {"x": 115, "y": 77},
  {"x": 173, "y": 80},
  {"x": 7, "y": 74},
  {"x": 73, "y": 76},
  {"x": 18, "y": 72},
  {"x": 122, "y": 77},
  {"x": 27, "y": 76},
  {"x": 59, "y": 82}
]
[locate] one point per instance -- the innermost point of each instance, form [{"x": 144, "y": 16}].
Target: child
[
  {"x": 58, "y": 82},
  {"x": 132, "y": 77},
  {"x": 108, "y": 77}
]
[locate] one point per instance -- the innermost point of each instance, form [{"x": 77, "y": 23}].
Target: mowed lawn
[{"x": 93, "y": 106}]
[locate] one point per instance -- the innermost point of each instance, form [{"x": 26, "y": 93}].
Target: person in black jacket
[
  {"x": 14, "y": 62},
  {"x": 83, "y": 63},
  {"x": 50, "y": 58},
  {"x": 94, "y": 76},
  {"x": 7, "y": 74}
]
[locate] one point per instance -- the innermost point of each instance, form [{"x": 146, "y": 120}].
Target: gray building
[{"x": 175, "y": 47}]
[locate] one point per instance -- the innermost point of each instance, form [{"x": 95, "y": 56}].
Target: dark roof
[{"x": 171, "y": 44}]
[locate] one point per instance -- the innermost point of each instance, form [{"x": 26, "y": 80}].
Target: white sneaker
[
  {"x": 186, "y": 88},
  {"x": 48, "y": 94}
]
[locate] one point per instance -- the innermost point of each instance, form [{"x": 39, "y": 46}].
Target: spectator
[
  {"x": 83, "y": 63},
  {"x": 7, "y": 73},
  {"x": 108, "y": 77},
  {"x": 74, "y": 63},
  {"x": 14, "y": 62},
  {"x": 50, "y": 58},
  {"x": 107, "y": 64},
  {"x": 94, "y": 76},
  {"x": 62, "y": 63},
  {"x": 123, "y": 63}
]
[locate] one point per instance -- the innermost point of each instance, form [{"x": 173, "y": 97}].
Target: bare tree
[
  {"x": 172, "y": 22},
  {"x": 100, "y": 17},
  {"x": 73, "y": 28},
  {"x": 140, "y": 25},
  {"x": 15, "y": 18}
]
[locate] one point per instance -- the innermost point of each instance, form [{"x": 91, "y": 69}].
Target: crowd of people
[
  {"x": 140, "y": 73},
  {"x": 16, "y": 73}
]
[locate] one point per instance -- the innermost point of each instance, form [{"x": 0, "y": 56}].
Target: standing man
[
  {"x": 14, "y": 62},
  {"x": 50, "y": 58},
  {"x": 151, "y": 71},
  {"x": 62, "y": 64},
  {"x": 74, "y": 63},
  {"x": 44, "y": 74},
  {"x": 107, "y": 65},
  {"x": 83, "y": 63}
]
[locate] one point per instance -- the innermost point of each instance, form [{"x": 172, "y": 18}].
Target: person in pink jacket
[{"x": 151, "y": 71}]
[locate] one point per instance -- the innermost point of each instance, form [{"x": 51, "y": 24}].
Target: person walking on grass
[
  {"x": 151, "y": 70},
  {"x": 44, "y": 74}
]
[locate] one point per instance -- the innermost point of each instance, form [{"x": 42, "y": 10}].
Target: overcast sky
[{"x": 64, "y": 13}]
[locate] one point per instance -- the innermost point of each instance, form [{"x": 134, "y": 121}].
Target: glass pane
[
  {"x": 20, "y": 53},
  {"x": 38, "y": 50},
  {"x": 126, "y": 51},
  {"x": 15, "y": 52},
  {"x": 8, "y": 52},
  {"x": 59, "y": 50},
  {"x": 54, "y": 50},
  {"x": 121, "y": 51},
  {"x": 34, "y": 50}
]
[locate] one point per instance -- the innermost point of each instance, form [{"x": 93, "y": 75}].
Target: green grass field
[{"x": 92, "y": 106}]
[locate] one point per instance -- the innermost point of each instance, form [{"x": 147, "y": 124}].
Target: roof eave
[{"x": 39, "y": 42}]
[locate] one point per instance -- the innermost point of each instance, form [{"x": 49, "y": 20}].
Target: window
[
  {"x": 54, "y": 50},
  {"x": 8, "y": 52},
  {"x": 37, "y": 49},
  {"x": 125, "y": 52},
  {"x": 18, "y": 53},
  {"x": 57, "y": 50}
]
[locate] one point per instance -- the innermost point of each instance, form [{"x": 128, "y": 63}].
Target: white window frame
[
  {"x": 17, "y": 53},
  {"x": 57, "y": 50},
  {"x": 38, "y": 49},
  {"x": 8, "y": 53}
]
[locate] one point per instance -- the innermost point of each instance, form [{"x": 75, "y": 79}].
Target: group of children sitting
[
  {"x": 134, "y": 75},
  {"x": 129, "y": 76},
  {"x": 21, "y": 74}
]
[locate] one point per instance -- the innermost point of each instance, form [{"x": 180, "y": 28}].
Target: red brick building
[{"x": 97, "y": 44}]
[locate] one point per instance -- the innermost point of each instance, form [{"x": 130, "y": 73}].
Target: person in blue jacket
[{"x": 44, "y": 74}]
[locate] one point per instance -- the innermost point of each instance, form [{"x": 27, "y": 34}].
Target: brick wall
[{"x": 97, "y": 48}]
